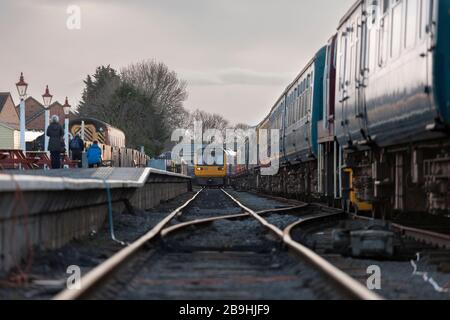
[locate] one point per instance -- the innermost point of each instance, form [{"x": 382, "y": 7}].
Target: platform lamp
[
  {"x": 47, "y": 98},
  {"x": 66, "y": 108},
  {"x": 22, "y": 87}
]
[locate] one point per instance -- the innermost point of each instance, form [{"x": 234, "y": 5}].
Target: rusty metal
[
  {"x": 183, "y": 225},
  {"x": 421, "y": 235},
  {"x": 429, "y": 237}
]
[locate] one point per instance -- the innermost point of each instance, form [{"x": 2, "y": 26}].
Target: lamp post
[
  {"x": 22, "y": 90},
  {"x": 47, "y": 98},
  {"x": 66, "y": 108}
]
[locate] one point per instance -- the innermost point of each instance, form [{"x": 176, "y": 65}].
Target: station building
[{"x": 9, "y": 123}]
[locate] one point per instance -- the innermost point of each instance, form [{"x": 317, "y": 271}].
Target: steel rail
[
  {"x": 183, "y": 225},
  {"x": 276, "y": 198},
  {"x": 284, "y": 209},
  {"x": 350, "y": 285},
  {"x": 421, "y": 235},
  {"x": 429, "y": 237},
  {"x": 99, "y": 273}
]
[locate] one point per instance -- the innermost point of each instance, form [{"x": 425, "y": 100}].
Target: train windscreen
[{"x": 210, "y": 158}]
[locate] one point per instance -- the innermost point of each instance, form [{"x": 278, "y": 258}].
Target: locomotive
[
  {"x": 111, "y": 141},
  {"x": 365, "y": 125},
  {"x": 213, "y": 174},
  {"x": 96, "y": 130}
]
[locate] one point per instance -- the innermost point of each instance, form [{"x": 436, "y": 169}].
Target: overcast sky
[{"x": 236, "y": 55}]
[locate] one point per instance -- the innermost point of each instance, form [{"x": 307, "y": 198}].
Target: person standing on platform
[
  {"x": 94, "y": 155},
  {"x": 76, "y": 146},
  {"x": 55, "y": 132}
]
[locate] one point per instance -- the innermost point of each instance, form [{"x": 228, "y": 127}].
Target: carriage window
[
  {"x": 421, "y": 15},
  {"x": 427, "y": 12},
  {"x": 371, "y": 48},
  {"x": 342, "y": 62},
  {"x": 292, "y": 113},
  {"x": 300, "y": 101},
  {"x": 290, "y": 110},
  {"x": 383, "y": 41},
  {"x": 351, "y": 63},
  {"x": 293, "y": 110},
  {"x": 335, "y": 57},
  {"x": 396, "y": 38},
  {"x": 288, "y": 113},
  {"x": 411, "y": 22},
  {"x": 308, "y": 101},
  {"x": 304, "y": 104},
  {"x": 291, "y": 118},
  {"x": 385, "y": 5}
]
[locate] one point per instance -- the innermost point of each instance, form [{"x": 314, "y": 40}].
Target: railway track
[
  {"x": 344, "y": 281},
  {"x": 426, "y": 236},
  {"x": 214, "y": 247},
  {"x": 421, "y": 256},
  {"x": 435, "y": 234}
]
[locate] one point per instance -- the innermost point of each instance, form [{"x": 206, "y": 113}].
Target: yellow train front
[{"x": 211, "y": 173}]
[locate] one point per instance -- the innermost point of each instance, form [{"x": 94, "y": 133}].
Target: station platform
[
  {"x": 48, "y": 208},
  {"x": 86, "y": 178}
]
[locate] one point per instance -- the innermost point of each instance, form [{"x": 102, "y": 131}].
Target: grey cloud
[{"x": 237, "y": 55}]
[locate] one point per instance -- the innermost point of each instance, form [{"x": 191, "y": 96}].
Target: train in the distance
[
  {"x": 365, "y": 125},
  {"x": 96, "y": 130},
  {"x": 211, "y": 167}
]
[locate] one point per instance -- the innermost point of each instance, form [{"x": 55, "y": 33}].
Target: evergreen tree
[{"x": 144, "y": 101}]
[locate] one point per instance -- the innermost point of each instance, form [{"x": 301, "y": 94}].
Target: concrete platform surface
[{"x": 76, "y": 179}]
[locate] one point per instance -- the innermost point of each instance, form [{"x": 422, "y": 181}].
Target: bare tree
[
  {"x": 242, "y": 126},
  {"x": 209, "y": 120},
  {"x": 165, "y": 91}
]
